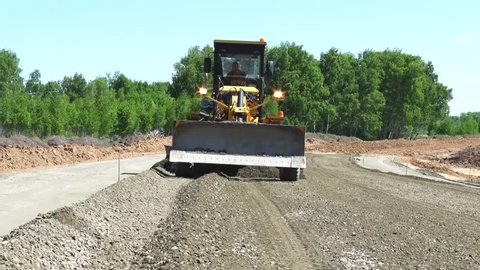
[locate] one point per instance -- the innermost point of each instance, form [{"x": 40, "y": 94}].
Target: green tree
[
  {"x": 106, "y": 105},
  {"x": 52, "y": 88},
  {"x": 127, "y": 118},
  {"x": 120, "y": 84},
  {"x": 74, "y": 86},
  {"x": 42, "y": 122},
  {"x": 33, "y": 85},
  {"x": 468, "y": 126},
  {"x": 162, "y": 100},
  {"x": 188, "y": 74},
  {"x": 413, "y": 97},
  {"x": 372, "y": 101},
  {"x": 59, "y": 106},
  {"x": 298, "y": 73},
  {"x": 184, "y": 105},
  {"x": 444, "y": 126},
  {"x": 10, "y": 79},
  {"x": 339, "y": 71},
  {"x": 85, "y": 120},
  {"x": 437, "y": 96},
  {"x": 16, "y": 117}
]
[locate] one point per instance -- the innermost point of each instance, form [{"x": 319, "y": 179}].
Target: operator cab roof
[{"x": 239, "y": 46}]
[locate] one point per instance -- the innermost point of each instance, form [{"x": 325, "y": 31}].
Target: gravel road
[
  {"x": 339, "y": 217},
  {"x": 24, "y": 195}
]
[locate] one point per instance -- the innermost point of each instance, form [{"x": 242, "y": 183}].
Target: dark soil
[
  {"x": 331, "y": 137},
  {"x": 136, "y": 138},
  {"x": 57, "y": 141},
  {"x": 84, "y": 141},
  {"x": 233, "y": 172},
  {"x": 21, "y": 141},
  {"x": 468, "y": 157}
]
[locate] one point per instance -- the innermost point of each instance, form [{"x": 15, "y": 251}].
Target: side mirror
[
  {"x": 207, "y": 65},
  {"x": 270, "y": 67}
]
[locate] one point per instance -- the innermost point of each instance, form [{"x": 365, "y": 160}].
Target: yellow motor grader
[{"x": 230, "y": 128}]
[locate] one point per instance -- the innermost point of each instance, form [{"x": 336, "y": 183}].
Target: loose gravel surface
[
  {"x": 103, "y": 232},
  {"x": 339, "y": 217}
]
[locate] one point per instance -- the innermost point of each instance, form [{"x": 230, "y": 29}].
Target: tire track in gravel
[
  {"x": 348, "y": 217},
  {"x": 417, "y": 192},
  {"x": 281, "y": 236}
]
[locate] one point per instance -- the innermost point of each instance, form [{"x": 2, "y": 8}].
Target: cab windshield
[{"x": 248, "y": 65}]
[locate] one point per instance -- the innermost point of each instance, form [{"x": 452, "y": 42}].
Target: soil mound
[
  {"x": 331, "y": 137},
  {"x": 57, "y": 141},
  {"x": 21, "y": 141},
  {"x": 84, "y": 141},
  {"x": 468, "y": 157}
]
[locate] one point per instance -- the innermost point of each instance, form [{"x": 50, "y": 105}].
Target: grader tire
[{"x": 289, "y": 174}]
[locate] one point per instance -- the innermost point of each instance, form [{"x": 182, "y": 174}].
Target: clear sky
[{"x": 143, "y": 39}]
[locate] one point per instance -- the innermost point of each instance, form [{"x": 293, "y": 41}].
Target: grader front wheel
[{"x": 289, "y": 174}]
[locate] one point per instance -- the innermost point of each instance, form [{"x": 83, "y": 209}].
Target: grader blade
[{"x": 236, "y": 143}]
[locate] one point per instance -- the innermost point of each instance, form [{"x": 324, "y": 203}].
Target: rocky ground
[
  {"x": 104, "y": 232},
  {"x": 339, "y": 217}
]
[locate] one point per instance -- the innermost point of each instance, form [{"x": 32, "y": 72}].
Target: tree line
[
  {"x": 387, "y": 94},
  {"x": 72, "y": 106},
  {"x": 373, "y": 95},
  {"x": 465, "y": 124}
]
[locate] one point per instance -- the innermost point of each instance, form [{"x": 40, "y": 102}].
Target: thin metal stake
[{"x": 118, "y": 167}]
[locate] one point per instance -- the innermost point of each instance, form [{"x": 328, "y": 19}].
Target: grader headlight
[
  {"x": 279, "y": 94},
  {"x": 202, "y": 90}
]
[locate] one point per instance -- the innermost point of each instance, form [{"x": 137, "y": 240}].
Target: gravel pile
[
  {"x": 57, "y": 141},
  {"x": 88, "y": 141},
  {"x": 258, "y": 172},
  {"x": 103, "y": 232},
  {"x": 21, "y": 141},
  {"x": 331, "y": 137},
  {"x": 212, "y": 227},
  {"x": 137, "y": 138}
]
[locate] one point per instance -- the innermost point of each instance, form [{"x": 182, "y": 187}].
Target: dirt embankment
[
  {"x": 447, "y": 155},
  {"x": 441, "y": 155},
  {"x": 22, "y": 153},
  {"x": 392, "y": 147}
]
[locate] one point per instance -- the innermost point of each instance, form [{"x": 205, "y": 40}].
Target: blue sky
[{"x": 143, "y": 39}]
